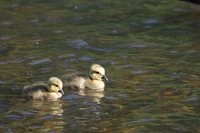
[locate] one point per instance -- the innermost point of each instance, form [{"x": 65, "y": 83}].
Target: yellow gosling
[
  {"x": 41, "y": 91},
  {"x": 81, "y": 81}
]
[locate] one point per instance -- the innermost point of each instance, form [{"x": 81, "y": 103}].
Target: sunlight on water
[{"x": 149, "y": 50}]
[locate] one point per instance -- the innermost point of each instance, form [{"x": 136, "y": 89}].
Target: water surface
[{"x": 150, "y": 50}]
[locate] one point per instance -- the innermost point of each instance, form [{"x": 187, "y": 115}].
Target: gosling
[
  {"x": 82, "y": 81},
  {"x": 41, "y": 91}
]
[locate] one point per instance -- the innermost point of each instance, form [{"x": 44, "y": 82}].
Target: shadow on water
[{"x": 149, "y": 49}]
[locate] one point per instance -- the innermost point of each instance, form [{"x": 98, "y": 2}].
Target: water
[{"x": 150, "y": 50}]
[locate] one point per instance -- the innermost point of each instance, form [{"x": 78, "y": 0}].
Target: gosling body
[
  {"x": 41, "y": 91},
  {"x": 82, "y": 81}
]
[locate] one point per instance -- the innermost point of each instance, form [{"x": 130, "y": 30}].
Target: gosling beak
[
  {"x": 61, "y": 91},
  {"x": 104, "y": 78}
]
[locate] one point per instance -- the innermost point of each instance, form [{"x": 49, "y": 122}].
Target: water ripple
[
  {"x": 192, "y": 98},
  {"x": 104, "y": 50},
  {"x": 150, "y": 21},
  {"x": 39, "y": 61},
  {"x": 137, "y": 45},
  {"x": 85, "y": 58},
  {"x": 141, "y": 120},
  {"x": 125, "y": 66},
  {"x": 79, "y": 44},
  {"x": 2, "y": 82},
  {"x": 71, "y": 96},
  {"x": 111, "y": 98}
]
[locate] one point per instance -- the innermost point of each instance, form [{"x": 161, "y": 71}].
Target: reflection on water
[
  {"x": 149, "y": 49},
  {"x": 94, "y": 94},
  {"x": 39, "y": 116}
]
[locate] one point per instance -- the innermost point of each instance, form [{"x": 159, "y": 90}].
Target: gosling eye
[
  {"x": 55, "y": 85},
  {"x": 97, "y": 72}
]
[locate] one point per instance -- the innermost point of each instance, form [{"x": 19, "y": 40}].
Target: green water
[{"x": 149, "y": 49}]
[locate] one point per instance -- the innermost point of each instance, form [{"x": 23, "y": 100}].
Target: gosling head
[
  {"x": 97, "y": 72},
  {"x": 55, "y": 85}
]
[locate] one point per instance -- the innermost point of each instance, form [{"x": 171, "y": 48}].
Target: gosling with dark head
[
  {"x": 92, "y": 81},
  {"x": 41, "y": 91}
]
